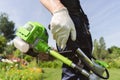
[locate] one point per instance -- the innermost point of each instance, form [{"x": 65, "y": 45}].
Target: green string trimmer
[{"x": 34, "y": 36}]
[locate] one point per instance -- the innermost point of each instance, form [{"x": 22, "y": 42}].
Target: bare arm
[{"x": 52, "y": 5}]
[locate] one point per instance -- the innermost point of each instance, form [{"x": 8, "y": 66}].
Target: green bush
[
  {"x": 13, "y": 72},
  {"x": 5, "y": 66},
  {"x": 24, "y": 74},
  {"x": 28, "y": 58},
  {"x": 114, "y": 63},
  {"x": 50, "y": 64},
  {"x": 17, "y": 53}
]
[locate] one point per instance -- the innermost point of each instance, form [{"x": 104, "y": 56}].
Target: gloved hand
[{"x": 62, "y": 27}]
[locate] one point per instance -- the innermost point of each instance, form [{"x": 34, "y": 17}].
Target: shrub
[
  {"x": 28, "y": 58},
  {"x": 114, "y": 63},
  {"x": 50, "y": 64},
  {"x": 17, "y": 53},
  {"x": 24, "y": 74},
  {"x": 11, "y": 72}
]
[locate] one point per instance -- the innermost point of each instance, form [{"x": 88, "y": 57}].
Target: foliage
[
  {"x": 100, "y": 51},
  {"x": 50, "y": 64},
  {"x": 114, "y": 50},
  {"x": 113, "y": 58},
  {"x": 9, "y": 49},
  {"x": 5, "y": 66},
  {"x": 96, "y": 48},
  {"x": 25, "y": 74},
  {"x": 28, "y": 58},
  {"x": 6, "y": 27},
  {"x": 114, "y": 63},
  {"x": 110, "y": 55},
  {"x": 16, "y": 53},
  {"x": 3, "y": 42},
  {"x": 12, "y": 72}
]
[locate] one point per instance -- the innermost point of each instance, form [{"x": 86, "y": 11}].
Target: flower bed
[{"x": 13, "y": 72}]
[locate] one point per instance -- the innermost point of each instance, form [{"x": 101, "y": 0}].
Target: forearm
[{"x": 52, "y": 5}]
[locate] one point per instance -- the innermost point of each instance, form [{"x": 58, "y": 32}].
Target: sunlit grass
[{"x": 114, "y": 74}]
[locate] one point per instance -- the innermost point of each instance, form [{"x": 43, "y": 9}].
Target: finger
[
  {"x": 58, "y": 40},
  {"x": 60, "y": 36},
  {"x": 59, "y": 32},
  {"x": 55, "y": 30},
  {"x": 73, "y": 34},
  {"x": 63, "y": 43}
]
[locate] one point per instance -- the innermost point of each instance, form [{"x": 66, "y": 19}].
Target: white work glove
[{"x": 62, "y": 27}]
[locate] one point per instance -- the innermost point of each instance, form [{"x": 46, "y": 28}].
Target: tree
[
  {"x": 96, "y": 49},
  {"x": 100, "y": 51},
  {"x": 104, "y": 52},
  {"x": 6, "y": 27},
  {"x": 102, "y": 43},
  {"x": 114, "y": 52},
  {"x": 114, "y": 49}
]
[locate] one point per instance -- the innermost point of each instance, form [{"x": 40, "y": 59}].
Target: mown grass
[
  {"x": 55, "y": 74},
  {"x": 51, "y": 74},
  {"x": 114, "y": 74}
]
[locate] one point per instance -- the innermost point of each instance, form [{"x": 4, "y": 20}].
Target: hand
[{"x": 62, "y": 27}]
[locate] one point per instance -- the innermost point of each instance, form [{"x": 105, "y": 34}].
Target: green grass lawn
[
  {"x": 114, "y": 74},
  {"x": 51, "y": 74},
  {"x": 55, "y": 74}
]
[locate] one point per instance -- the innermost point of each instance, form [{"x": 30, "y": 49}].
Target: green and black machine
[{"x": 34, "y": 36}]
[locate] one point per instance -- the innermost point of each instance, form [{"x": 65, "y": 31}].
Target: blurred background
[{"x": 104, "y": 18}]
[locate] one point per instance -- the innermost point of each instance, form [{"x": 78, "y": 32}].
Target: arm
[
  {"x": 52, "y": 5},
  {"x": 61, "y": 24}
]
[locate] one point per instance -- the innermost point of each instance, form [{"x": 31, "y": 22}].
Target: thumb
[{"x": 73, "y": 34}]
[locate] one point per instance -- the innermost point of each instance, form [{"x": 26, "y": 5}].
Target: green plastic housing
[
  {"x": 32, "y": 31},
  {"x": 34, "y": 34},
  {"x": 101, "y": 63}
]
